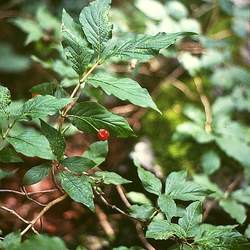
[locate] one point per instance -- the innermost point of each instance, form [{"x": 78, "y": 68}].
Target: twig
[
  {"x": 230, "y": 188},
  {"x": 31, "y": 199},
  {"x": 183, "y": 88},
  {"x": 120, "y": 191},
  {"x": 114, "y": 207},
  {"x": 124, "y": 109},
  {"x": 138, "y": 225},
  {"x": 206, "y": 104},
  {"x": 28, "y": 193},
  {"x": 104, "y": 222},
  {"x": 14, "y": 213},
  {"x": 74, "y": 94},
  {"x": 51, "y": 204}
]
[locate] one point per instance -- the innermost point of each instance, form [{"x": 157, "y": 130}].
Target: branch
[
  {"x": 14, "y": 213},
  {"x": 205, "y": 103},
  {"x": 138, "y": 224},
  {"x": 51, "y": 204},
  {"x": 28, "y": 193},
  {"x": 105, "y": 223},
  {"x": 74, "y": 94},
  {"x": 114, "y": 207}
]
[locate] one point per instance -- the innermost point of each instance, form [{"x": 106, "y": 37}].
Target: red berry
[{"x": 103, "y": 134}]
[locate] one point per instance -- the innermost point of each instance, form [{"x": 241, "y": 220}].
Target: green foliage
[
  {"x": 208, "y": 142},
  {"x": 5, "y": 97},
  {"x": 55, "y": 138},
  {"x": 191, "y": 219},
  {"x": 9, "y": 155},
  {"x": 97, "y": 152},
  {"x": 78, "y": 188},
  {"x": 75, "y": 45},
  {"x": 124, "y": 89},
  {"x": 111, "y": 178},
  {"x": 139, "y": 46},
  {"x": 210, "y": 162},
  {"x": 142, "y": 212},
  {"x": 179, "y": 188},
  {"x": 150, "y": 182},
  {"x": 167, "y": 206},
  {"x": 95, "y": 24},
  {"x": 36, "y": 174},
  {"x": 12, "y": 62},
  {"x": 91, "y": 116},
  {"x": 29, "y": 144},
  {"x": 13, "y": 242},
  {"x": 78, "y": 164},
  {"x": 42, "y": 106}
]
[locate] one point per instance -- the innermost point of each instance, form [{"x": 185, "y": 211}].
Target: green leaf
[
  {"x": 46, "y": 88},
  {"x": 32, "y": 144},
  {"x": 78, "y": 188},
  {"x": 91, "y": 116},
  {"x": 139, "y": 46},
  {"x": 220, "y": 237},
  {"x": 30, "y": 27},
  {"x": 194, "y": 114},
  {"x": 235, "y": 148},
  {"x": 247, "y": 231},
  {"x": 78, "y": 164},
  {"x": 234, "y": 209},
  {"x": 8, "y": 155},
  {"x": 204, "y": 181},
  {"x": 124, "y": 89},
  {"x": 5, "y": 97},
  {"x": 195, "y": 131},
  {"x": 163, "y": 230},
  {"x": 11, "y": 241},
  {"x": 10, "y": 61},
  {"x": 142, "y": 212},
  {"x": 75, "y": 44},
  {"x": 167, "y": 206},
  {"x": 210, "y": 162},
  {"x": 97, "y": 152},
  {"x": 192, "y": 218},
  {"x": 230, "y": 77},
  {"x": 36, "y": 174},
  {"x": 95, "y": 23},
  {"x": 4, "y": 174},
  {"x": 42, "y": 106},
  {"x": 47, "y": 20},
  {"x": 55, "y": 138},
  {"x": 111, "y": 178},
  {"x": 149, "y": 181},
  {"x": 242, "y": 195},
  {"x": 139, "y": 198},
  {"x": 178, "y": 188},
  {"x": 42, "y": 242}
]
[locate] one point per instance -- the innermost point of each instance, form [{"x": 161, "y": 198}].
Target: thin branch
[
  {"x": 31, "y": 199},
  {"x": 230, "y": 188},
  {"x": 51, "y": 204},
  {"x": 103, "y": 218},
  {"x": 14, "y": 213},
  {"x": 114, "y": 207},
  {"x": 172, "y": 79},
  {"x": 123, "y": 196},
  {"x": 74, "y": 94},
  {"x": 206, "y": 104},
  {"x": 28, "y": 193},
  {"x": 138, "y": 225}
]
